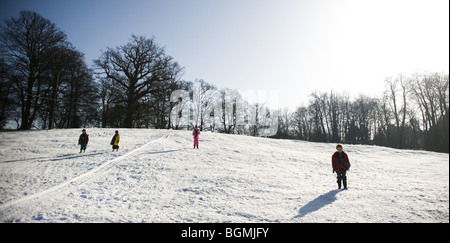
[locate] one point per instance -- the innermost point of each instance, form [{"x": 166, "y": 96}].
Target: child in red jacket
[
  {"x": 341, "y": 164},
  {"x": 196, "y": 133}
]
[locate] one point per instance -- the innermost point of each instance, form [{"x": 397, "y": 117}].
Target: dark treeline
[
  {"x": 413, "y": 113},
  {"x": 46, "y": 83}
]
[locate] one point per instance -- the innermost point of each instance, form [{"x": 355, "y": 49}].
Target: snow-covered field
[{"x": 157, "y": 177}]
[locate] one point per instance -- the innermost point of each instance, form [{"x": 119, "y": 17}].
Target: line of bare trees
[
  {"x": 412, "y": 113},
  {"x": 224, "y": 111},
  {"x": 46, "y": 84}
]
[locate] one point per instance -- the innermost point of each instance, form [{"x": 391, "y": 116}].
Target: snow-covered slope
[{"x": 157, "y": 177}]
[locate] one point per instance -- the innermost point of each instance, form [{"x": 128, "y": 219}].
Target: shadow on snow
[{"x": 318, "y": 203}]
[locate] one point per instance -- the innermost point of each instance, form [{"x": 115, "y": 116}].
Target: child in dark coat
[{"x": 83, "y": 141}]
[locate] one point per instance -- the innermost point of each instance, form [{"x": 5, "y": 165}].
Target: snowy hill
[{"x": 157, "y": 177}]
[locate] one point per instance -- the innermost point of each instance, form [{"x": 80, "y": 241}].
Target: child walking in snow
[
  {"x": 196, "y": 133},
  {"x": 83, "y": 141},
  {"x": 115, "y": 141},
  {"x": 341, "y": 164}
]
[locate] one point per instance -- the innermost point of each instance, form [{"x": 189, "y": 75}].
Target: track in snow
[{"x": 78, "y": 178}]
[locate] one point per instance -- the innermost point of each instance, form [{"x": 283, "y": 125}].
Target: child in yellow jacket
[{"x": 115, "y": 141}]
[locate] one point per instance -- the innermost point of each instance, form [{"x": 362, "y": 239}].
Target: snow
[{"x": 157, "y": 177}]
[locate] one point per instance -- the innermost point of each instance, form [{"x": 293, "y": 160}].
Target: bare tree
[
  {"x": 204, "y": 98},
  {"x": 300, "y": 123},
  {"x": 399, "y": 110},
  {"x": 6, "y": 100},
  {"x": 137, "y": 66}
]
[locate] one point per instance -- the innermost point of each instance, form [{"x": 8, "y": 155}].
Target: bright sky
[{"x": 284, "y": 47}]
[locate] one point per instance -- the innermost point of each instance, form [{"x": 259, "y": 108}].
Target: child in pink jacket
[{"x": 196, "y": 133}]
